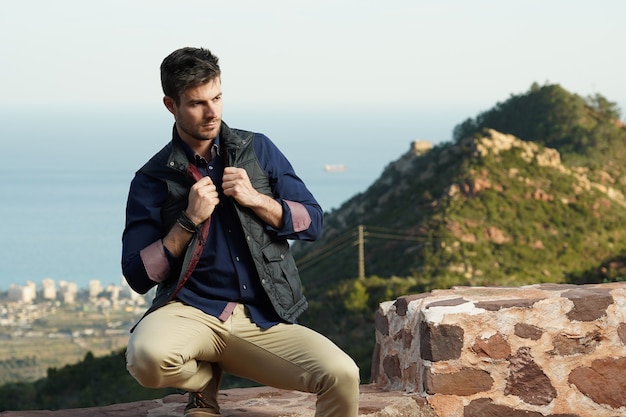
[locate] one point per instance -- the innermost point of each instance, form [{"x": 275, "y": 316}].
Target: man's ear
[{"x": 170, "y": 104}]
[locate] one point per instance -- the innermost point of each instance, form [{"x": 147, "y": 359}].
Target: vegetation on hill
[
  {"x": 586, "y": 131},
  {"x": 529, "y": 191},
  {"x": 92, "y": 382},
  {"x": 95, "y": 381}
]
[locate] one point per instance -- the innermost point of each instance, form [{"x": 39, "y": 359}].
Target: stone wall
[{"x": 539, "y": 350}]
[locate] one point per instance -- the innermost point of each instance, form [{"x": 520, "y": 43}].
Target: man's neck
[{"x": 201, "y": 147}]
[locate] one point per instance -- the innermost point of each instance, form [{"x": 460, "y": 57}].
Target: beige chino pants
[{"x": 181, "y": 347}]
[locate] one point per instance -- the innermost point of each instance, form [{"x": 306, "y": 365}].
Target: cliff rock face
[
  {"x": 495, "y": 143},
  {"x": 537, "y": 350}
]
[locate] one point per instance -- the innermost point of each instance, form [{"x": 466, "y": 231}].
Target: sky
[
  {"x": 319, "y": 77},
  {"x": 369, "y": 56}
]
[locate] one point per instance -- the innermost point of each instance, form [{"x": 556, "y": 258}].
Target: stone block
[{"x": 538, "y": 350}]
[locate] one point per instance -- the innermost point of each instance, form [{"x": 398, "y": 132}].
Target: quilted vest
[{"x": 272, "y": 257}]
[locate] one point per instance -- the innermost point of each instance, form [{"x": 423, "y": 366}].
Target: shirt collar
[{"x": 197, "y": 159}]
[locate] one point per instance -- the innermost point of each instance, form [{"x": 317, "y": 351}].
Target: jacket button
[{"x": 282, "y": 256}]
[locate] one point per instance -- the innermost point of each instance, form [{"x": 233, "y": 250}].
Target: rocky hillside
[{"x": 529, "y": 191}]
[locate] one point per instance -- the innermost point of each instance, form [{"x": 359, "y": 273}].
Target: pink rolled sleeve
[
  {"x": 300, "y": 217},
  {"x": 155, "y": 261}
]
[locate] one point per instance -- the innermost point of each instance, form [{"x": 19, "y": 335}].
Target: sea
[{"x": 65, "y": 173}]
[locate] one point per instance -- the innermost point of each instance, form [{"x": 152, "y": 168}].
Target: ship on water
[{"x": 334, "y": 167}]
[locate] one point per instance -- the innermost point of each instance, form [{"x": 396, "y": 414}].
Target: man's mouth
[{"x": 211, "y": 125}]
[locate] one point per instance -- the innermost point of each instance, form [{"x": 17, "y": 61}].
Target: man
[{"x": 207, "y": 220}]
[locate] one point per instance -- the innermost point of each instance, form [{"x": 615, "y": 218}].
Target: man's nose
[{"x": 210, "y": 111}]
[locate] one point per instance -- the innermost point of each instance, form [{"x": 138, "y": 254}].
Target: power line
[
  {"x": 361, "y": 232},
  {"x": 398, "y": 237},
  {"x": 329, "y": 246},
  {"x": 319, "y": 256}
]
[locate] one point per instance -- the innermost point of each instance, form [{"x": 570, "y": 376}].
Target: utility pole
[{"x": 361, "y": 243}]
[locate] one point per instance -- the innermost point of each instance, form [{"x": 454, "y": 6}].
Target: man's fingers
[{"x": 204, "y": 181}]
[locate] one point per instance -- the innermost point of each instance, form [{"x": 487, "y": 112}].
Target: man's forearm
[
  {"x": 268, "y": 210},
  {"x": 178, "y": 238}
]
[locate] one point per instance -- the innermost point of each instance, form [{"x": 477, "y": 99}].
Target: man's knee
[
  {"x": 147, "y": 364},
  {"x": 351, "y": 374},
  {"x": 345, "y": 373}
]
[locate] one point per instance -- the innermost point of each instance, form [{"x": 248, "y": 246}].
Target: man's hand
[
  {"x": 237, "y": 185},
  {"x": 203, "y": 198}
]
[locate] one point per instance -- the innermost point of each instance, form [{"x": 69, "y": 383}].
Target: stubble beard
[{"x": 199, "y": 135}]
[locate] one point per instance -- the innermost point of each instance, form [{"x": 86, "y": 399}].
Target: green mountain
[
  {"x": 529, "y": 191},
  {"x": 521, "y": 192}
]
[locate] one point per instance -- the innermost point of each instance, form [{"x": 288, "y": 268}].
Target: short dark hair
[{"x": 187, "y": 67}]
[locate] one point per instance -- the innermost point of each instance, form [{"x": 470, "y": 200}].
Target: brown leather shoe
[{"x": 198, "y": 407}]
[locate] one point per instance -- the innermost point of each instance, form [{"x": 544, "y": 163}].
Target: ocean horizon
[{"x": 66, "y": 175}]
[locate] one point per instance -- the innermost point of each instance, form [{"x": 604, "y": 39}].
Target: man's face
[{"x": 199, "y": 114}]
